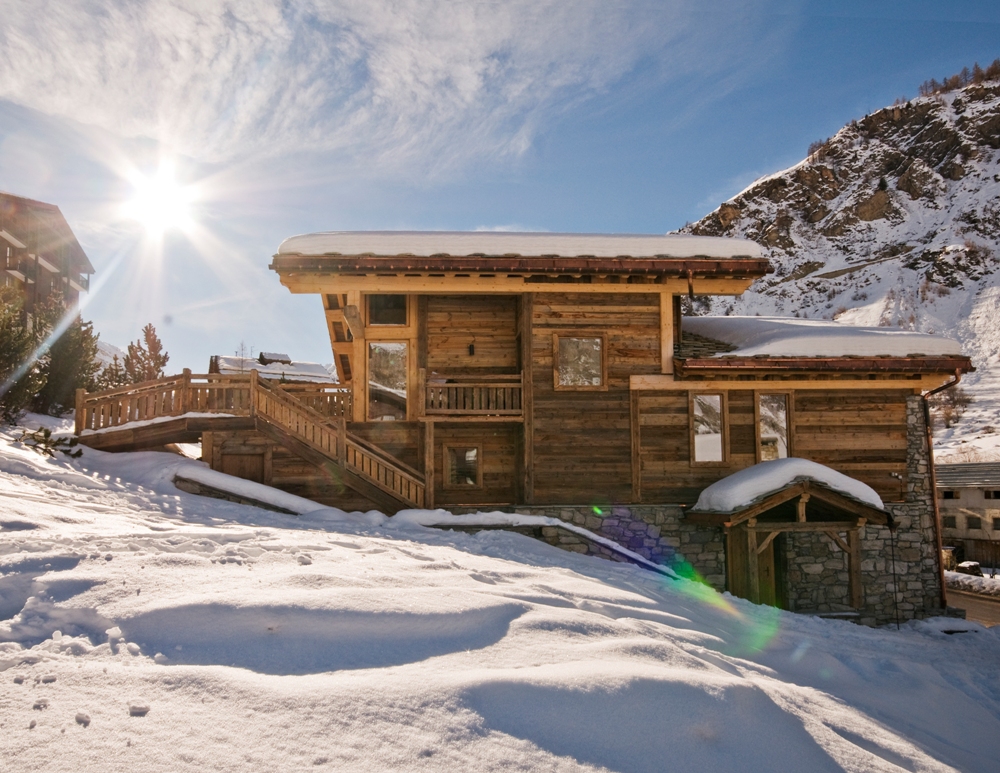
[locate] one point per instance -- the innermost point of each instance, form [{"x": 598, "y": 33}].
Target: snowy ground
[
  {"x": 989, "y": 586},
  {"x": 142, "y": 628}
]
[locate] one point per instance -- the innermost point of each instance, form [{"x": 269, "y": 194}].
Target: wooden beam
[
  {"x": 753, "y": 567},
  {"x": 770, "y": 538},
  {"x": 429, "y": 464},
  {"x": 528, "y": 396},
  {"x": 854, "y": 587},
  {"x": 352, "y": 314},
  {"x": 834, "y": 526},
  {"x": 666, "y": 333},
  {"x": 800, "y": 508},
  {"x": 840, "y": 543},
  {"x": 302, "y": 282},
  {"x": 667, "y": 383},
  {"x": 636, "y": 448}
]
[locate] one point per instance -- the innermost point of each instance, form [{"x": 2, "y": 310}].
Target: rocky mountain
[{"x": 894, "y": 221}]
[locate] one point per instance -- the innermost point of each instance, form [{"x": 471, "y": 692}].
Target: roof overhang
[{"x": 912, "y": 365}]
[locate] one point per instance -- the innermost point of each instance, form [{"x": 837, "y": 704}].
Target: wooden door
[
  {"x": 766, "y": 576},
  {"x": 246, "y": 466}
]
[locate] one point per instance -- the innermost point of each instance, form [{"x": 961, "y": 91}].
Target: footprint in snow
[
  {"x": 138, "y": 709},
  {"x": 83, "y": 719},
  {"x": 304, "y": 559}
]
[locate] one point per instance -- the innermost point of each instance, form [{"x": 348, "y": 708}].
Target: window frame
[
  {"x": 386, "y": 325},
  {"x": 950, "y": 494},
  {"x": 968, "y": 523},
  {"x": 789, "y": 420},
  {"x": 945, "y": 522},
  {"x": 369, "y": 342},
  {"x": 603, "y": 386},
  {"x": 447, "y": 485},
  {"x": 724, "y": 411}
]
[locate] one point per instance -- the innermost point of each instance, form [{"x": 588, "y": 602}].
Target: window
[
  {"x": 996, "y": 524},
  {"x": 973, "y": 522},
  {"x": 948, "y": 522},
  {"x": 462, "y": 467},
  {"x": 991, "y": 495},
  {"x": 387, "y": 381},
  {"x": 708, "y": 431},
  {"x": 387, "y": 310},
  {"x": 949, "y": 494},
  {"x": 772, "y": 427},
  {"x": 579, "y": 362}
]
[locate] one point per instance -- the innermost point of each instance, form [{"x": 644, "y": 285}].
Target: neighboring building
[
  {"x": 39, "y": 253},
  {"x": 555, "y": 374},
  {"x": 969, "y": 501},
  {"x": 271, "y": 365}
]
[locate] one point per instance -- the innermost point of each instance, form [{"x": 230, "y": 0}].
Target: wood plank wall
[
  {"x": 581, "y": 441},
  {"x": 488, "y": 322},
  {"x": 859, "y": 433},
  {"x": 499, "y": 461}
]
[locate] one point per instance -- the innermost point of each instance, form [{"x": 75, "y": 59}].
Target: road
[{"x": 982, "y": 609}]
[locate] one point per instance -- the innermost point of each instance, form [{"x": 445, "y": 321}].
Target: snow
[
  {"x": 751, "y": 484},
  {"x": 989, "y": 586},
  {"x": 461, "y": 243},
  {"x": 787, "y": 337},
  {"x": 142, "y": 628},
  {"x": 157, "y": 420},
  {"x": 297, "y": 371}
]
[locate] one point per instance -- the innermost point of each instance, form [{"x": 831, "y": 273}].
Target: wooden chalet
[{"x": 555, "y": 373}]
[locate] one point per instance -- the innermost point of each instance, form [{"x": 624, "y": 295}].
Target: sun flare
[{"x": 159, "y": 202}]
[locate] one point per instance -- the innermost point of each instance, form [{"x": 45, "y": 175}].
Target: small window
[
  {"x": 462, "y": 467},
  {"x": 579, "y": 362},
  {"x": 973, "y": 522},
  {"x": 708, "y": 428},
  {"x": 996, "y": 524},
  {"x": 948, "y": 522},
  {"x": 387, "y": 310},
  {"x": 949, "y": 494},
  {"x": 772, "y": 427},
  {"x": 991, "y": 495},
  {"x": 387, "y": 369}
]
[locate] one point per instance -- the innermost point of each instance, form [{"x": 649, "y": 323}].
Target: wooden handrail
[{"x": 473, "y": 396}]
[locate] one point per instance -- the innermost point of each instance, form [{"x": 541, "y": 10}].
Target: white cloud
[{"x": 436, "y": 81}]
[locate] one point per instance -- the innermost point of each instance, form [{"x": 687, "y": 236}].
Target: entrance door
[{"x": 770, "y": 562}]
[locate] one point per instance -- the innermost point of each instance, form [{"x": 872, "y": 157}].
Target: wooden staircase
[{"x": 308, "y": 421}]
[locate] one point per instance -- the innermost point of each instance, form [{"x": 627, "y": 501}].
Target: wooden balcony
[{"x": 472, "y": 397}]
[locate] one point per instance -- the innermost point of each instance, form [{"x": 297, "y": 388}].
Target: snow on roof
[
  {"x": 781, "y": 337},
  {"x": 462, "y": 243},
  {"x": 297, "y": 371},
  {"x": 744, "y": 488},
  {"x": 971, "y": 474}
]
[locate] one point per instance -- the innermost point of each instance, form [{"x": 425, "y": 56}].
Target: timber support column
[
  {"x": 753, "y": 564},
  {"x": 854, "y": 587},
  {"x": 429, "y": 464},
  {"x": 667, "y": 333},
  {"x": 185, "y": 405},
  {"x": 78, "y": 429}
]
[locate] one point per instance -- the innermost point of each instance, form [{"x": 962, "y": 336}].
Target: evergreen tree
[
  {"x": 17, "y": 343},
  {"x": 146, "y": 359},
  {"x": 71, "y": 364},
  {"x": 113, "y": 375}
]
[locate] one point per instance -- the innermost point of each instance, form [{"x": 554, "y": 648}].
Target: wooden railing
[
  {"x": 314, "y": 414},
  {"x": 472, "y": 395},
  {"x": 330, "y": 437},
  {"x": 193, "y": 393}
]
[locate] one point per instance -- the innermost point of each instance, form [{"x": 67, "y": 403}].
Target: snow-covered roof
[
  {"x": 297, "y": 371},
  {"x": 969, "y": 474},
  {"x": 461, "y": 243},
  {"x": 752, "y": 484},
  {"x": 782, "y": 337}
]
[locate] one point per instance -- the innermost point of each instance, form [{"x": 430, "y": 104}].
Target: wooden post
[
  {"x": 420, "y": 401},
  {"x": 429, "y": 464},
  {"x": 342, "y": 440},
  {"x": 636, "y": 448},
  {"x": 253, "y": 393},
  {"x": 753, "y": 564},
  {"x": 527, "y": 397},
  {"x": 800, "y": 508},
  {"x": 185, "y": 405},
  {"x": 80, "y": 425},
  {"x": 855, "y": 589},
  {"x": 666, "y": 333}
]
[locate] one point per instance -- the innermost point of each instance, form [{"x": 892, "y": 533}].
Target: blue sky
[{"x": 290, "y": 117}]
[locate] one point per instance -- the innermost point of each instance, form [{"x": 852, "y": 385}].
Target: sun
[{"x": 159, "y": 202}]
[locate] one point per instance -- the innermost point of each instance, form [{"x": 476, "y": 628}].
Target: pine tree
[
  {"x": 71, "y": 364},
  {"x": 113, "y": 375},
  {"x": 146, "y": 359},
  {"x": 17, "y": 344}
]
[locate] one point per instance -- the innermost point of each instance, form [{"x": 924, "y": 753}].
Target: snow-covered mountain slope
[
  {"x": 894, "y": 221},
  {"x": 142, "y": 628}
]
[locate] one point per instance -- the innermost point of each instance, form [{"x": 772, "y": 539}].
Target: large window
[
  {"x": 708, "y": 428},
  {"x": 579, "y": 362},
  {"x": 387, "y": 310},
  {"x": 463, "y": 467},
  {"x": 387, "y": 381},
  {"x": 948, "y": 521},
  {"x": 973, "y": 522},
  {"x": 772, "y": 427}
]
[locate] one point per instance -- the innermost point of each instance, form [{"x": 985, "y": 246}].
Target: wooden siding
[
  {"x": 499, "y": 462},
  {"x": 489, "y": 323},
  {"x": 581, "y": 440},
  {"x": 861, "y": 434}
]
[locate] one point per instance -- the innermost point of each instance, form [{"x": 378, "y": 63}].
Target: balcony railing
[{"x": 446, "y": 395}]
